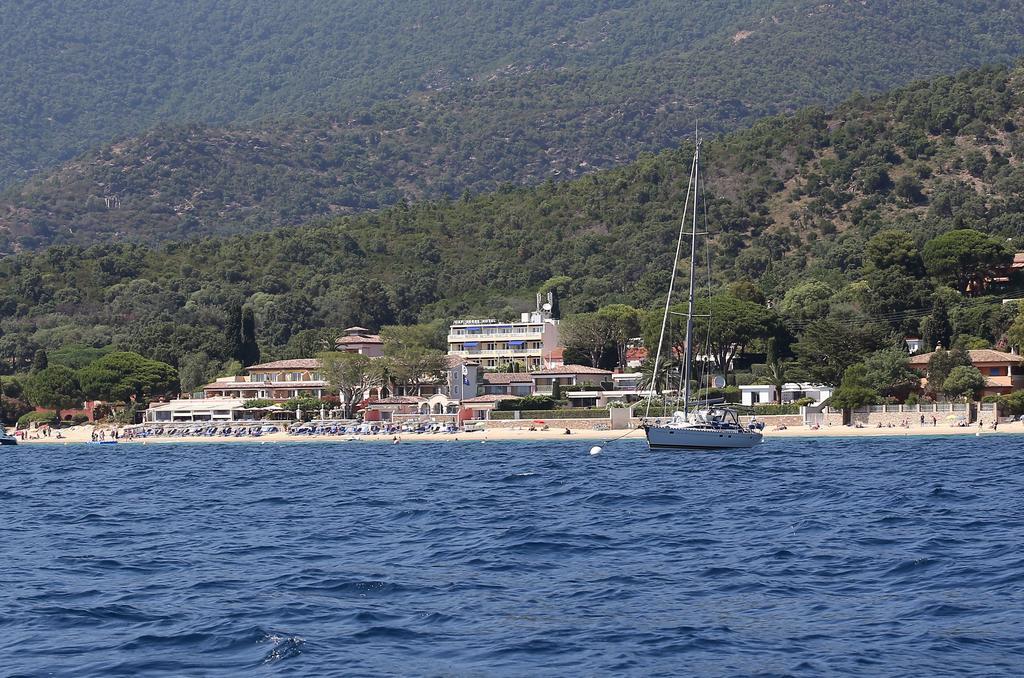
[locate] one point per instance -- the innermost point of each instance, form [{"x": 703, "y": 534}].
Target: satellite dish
[
  {"x": 719, "y": 381},
  {"x": 546, "y": 307}
]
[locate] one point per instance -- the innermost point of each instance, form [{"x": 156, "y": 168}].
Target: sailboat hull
[{"x": 687, "y": 438}]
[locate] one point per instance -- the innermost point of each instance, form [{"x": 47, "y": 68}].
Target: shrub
[
  {"x": 257, "y": 402},
  {"x": 767, "y": 408},
  {"x": 79, "y": 419},
  {"x": 305, "y": 404},
  {"x": 852, "y": 397},
  {"x": 528, "y": 403},
  {"x": 1012, "y": 403},
  {"x": 46, "y": 417}
]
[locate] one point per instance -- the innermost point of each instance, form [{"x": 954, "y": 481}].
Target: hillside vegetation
[
  {"x": 803, "y": 210},
  {"x": 254, "y": 116}
]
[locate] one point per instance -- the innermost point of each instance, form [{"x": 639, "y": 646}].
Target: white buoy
[{"x": 595, "y": 450}]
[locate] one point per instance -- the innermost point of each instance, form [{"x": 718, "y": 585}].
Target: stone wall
[{"x": 552, "y": 424}]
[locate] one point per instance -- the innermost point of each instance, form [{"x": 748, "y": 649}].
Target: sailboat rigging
[{"x": 710, "y": 426}]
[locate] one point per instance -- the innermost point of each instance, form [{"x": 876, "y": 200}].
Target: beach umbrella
[
  {"x": 298, "y": 413},
  {"x": 538, "y": 421}
]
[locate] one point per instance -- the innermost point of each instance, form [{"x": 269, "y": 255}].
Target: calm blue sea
[{"x": 879, "y": 557}]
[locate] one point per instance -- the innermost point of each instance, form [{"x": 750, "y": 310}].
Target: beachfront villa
[
  {"x": 760, "y": 394},
  {"x": 279, "y": 381},
  {"x": 569, "y": 377},
  {"x": 517, "y": 384},
  {"x": 209, "y": 409},
  {"x": 1003, "y": 372}
]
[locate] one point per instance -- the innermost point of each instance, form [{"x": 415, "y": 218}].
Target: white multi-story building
[{"x": 493, "y": 344}]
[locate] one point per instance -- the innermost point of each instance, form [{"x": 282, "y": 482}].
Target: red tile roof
[
  {"x": 296, "y": 364},
  {"x": 637, "y": 353},
  {"x": 983, "y": 355},
  {"x": 489, "y": 398},
  {"x": 507, "y": 378},
  {"x": 359, "y": 339}
]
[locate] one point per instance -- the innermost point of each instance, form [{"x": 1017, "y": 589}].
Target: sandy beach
[{"x": 83, "y": 434}]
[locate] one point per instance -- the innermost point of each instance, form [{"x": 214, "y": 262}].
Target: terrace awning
[
  {"x": 516, "y": 343},
  {"x": 471, "y": 344}
]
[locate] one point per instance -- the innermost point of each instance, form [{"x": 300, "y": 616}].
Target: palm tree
[
  {"x": 667, "y": 371},
  {"x": 775, "y": 371}
]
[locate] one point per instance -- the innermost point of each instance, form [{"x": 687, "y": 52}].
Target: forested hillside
[
  {"x": 818, "y": 212},
  {"x": 338, "y": 108}
]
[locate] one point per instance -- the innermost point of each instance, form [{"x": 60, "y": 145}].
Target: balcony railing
[
  {"x": 495, "y": 336},
  {"x": 502, "y": 353}
]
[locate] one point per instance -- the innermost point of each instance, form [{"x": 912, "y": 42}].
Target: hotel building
[{"x": 492, "y": 344}]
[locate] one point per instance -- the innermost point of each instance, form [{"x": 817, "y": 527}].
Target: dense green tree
[
  {"x": 1015, "y": 333},
  {"x": 827, "y": 348},
  {"x": 40, "y": 361},
  {"x": 197, "y": 370},
  {"x": 893, "y": 248},
  {"x": 888, "y": 373},
  {"x": 432, "y": 335},
  {"x": 935, "y": 328},
  {"x": 623, "y": 324},
  {"x": 806, "y": 302},
  {"x": 249, "y": 350},
  {"x": 589, "y": 333},
  {"x": 233, "y": 332},
  {"x": 855, "y": 390},
  {"x": 54, "y": 387},
  {"x": 725, "y": 326},
  {"x": 747, "y": 291},
  {"x": 965, "y": 259},
  {"x": 77, "y": 356},
  {"x": 941, "y": 364},
  {"x": 964, "y": 381},
  {"x": 125, "y": 377}
]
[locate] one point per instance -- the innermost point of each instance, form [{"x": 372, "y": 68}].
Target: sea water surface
[{"x": 871, "y": 556}]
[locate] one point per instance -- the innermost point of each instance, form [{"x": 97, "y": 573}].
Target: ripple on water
[{"x": 802, "y": 558}]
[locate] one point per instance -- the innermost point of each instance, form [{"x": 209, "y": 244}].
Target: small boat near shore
[{"x": 6, "y": 438}]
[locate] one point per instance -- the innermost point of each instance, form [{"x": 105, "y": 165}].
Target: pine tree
[
  {"x": 936, "y": 329},
  {"x": 249, "y": 350},
  {"x": 40, "y": 361},
  {"x": 233, "y": 332}
]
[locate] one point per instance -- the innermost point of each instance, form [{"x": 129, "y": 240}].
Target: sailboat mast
[
  {"x": 671, "y": 287},
  {"x": 688, "y": 364}
]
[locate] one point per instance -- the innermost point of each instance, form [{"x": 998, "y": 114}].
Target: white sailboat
[{"x": 707, "y": 427}]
